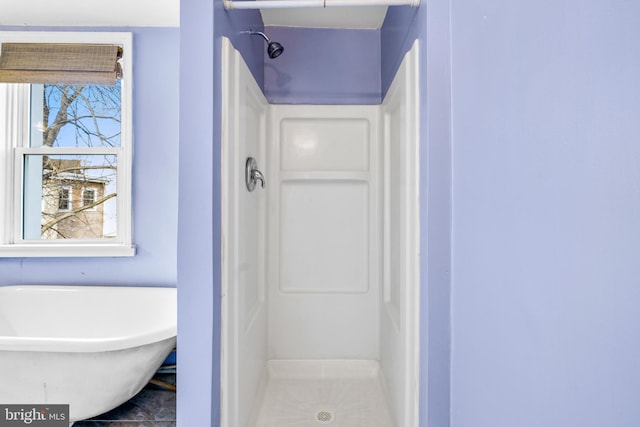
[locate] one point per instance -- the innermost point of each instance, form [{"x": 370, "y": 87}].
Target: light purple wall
[
  {"x": 203, "y": 22},
  {"x": 546, "y": 208},
  {"x": 399, "y": 30},
  {"x": 197, "y": 251},
  {"x": 155, "y": 172},
  {"x": 436, "y": 205},
  {"x": 323, "y": 66}
]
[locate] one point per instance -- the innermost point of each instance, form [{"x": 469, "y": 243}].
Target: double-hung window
[{"x": 65, "y": 144}]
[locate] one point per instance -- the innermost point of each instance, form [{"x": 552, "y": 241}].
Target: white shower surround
[
  {"x": 322, "y": 264},
  {"x": 325, "y": 224}
]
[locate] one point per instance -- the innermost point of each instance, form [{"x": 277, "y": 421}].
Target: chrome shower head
[{"x": 274, "y": 49}]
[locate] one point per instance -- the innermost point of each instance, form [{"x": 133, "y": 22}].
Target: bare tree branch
[
  {"x": 76, "y": 211},
  {"x": 51, "y": 132}
]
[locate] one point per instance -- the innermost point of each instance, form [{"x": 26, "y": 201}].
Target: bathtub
[{"x": 92, "y": 347}]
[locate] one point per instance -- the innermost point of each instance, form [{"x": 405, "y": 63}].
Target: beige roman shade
[{"x": 60, "y": 63}]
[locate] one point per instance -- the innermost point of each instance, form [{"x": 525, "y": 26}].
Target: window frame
[{"x": 14, "y": 146}]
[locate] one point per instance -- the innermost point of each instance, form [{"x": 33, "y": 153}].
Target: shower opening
[{"x": 320, "y": 271}]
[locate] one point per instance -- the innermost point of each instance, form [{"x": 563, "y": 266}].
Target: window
[
  {"x": 65, "y": 144},
  {"x": 64, "y": 199},
  {"x": 88, "y": 197}
]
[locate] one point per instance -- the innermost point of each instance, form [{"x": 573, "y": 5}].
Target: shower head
[{"x": 274, "y": 49}]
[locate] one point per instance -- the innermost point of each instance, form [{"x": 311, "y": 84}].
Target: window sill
[{"x": 66, "y": 250}]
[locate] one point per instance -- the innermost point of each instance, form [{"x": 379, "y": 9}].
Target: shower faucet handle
[
  {"x": 252, "y": 174},
  {"x": 257, "y": 175}
]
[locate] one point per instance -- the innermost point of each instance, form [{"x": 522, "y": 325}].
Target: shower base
[{"x": 334, "y": 393}]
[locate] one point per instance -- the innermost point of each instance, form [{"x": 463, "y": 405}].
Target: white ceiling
[
  {"x": 166, "y": 13},
  {"x": 369, "y": 17},
  {"x": 144, "y": 13}
]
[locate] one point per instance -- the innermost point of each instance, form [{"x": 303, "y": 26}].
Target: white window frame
[{"x": 14, "y": 145}]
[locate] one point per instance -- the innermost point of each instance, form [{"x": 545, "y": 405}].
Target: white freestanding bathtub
[{"x": 92, "y": 347}]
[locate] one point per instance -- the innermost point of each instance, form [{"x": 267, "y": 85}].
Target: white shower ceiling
[{"x": 369, "y": 17}]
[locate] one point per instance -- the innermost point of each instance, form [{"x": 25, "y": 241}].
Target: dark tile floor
[{"x": 154, "y": 406}]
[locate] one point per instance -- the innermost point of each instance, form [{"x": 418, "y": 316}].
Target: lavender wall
[
  {"x": 155, "y": 172},
  {"x": 323, "y": 66},
  {"x": 546, "y": 235},
  {"x": 436, "y": 206},
  {"x": 203, "y": 22},
  {"x": 197, "y": 251},
  {"x": 399, "y": 30}
]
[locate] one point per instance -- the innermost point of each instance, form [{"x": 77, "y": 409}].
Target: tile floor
[{"x": 154, "y": 406}]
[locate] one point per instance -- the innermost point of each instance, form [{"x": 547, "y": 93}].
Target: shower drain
[{"x": 324, "y": 417}]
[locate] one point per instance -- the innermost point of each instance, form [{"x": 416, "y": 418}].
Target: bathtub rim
[{"x": 88, "y": 344}]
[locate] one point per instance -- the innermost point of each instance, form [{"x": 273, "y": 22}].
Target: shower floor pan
[{"x": 333, "y": 393}]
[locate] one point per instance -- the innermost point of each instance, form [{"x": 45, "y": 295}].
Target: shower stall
[{"x": 320, "y": 275}]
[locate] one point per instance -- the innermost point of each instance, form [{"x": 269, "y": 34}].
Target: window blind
[{"x": 60, "y": 63}]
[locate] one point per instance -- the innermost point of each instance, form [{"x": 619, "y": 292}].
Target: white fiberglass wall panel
[
  {"x": 244, "y": 308},
  {"x": 318, "y": 213},
  {"x": 306, "y": 144},
  {"x": 399, "y": 318},
  {"x": 324, "y": 232}
]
